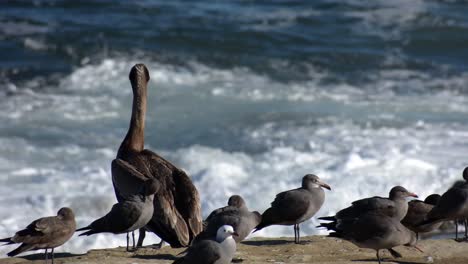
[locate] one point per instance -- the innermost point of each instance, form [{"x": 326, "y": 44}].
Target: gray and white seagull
[
  {"x": 218, "y": 250},
  {"x": 296, "y": 206}
]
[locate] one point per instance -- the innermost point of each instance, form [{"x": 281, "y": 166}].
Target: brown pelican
[{"x": 177, "y": 214}]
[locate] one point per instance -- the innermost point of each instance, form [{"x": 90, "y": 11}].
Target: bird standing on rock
[
  {"x": 129, "y": 215},
  {"x": 375, "y": 231},
  {"x": 44, "y": 233},
  {"x": 453, "y": 204},
  {"x": 295, "y": 206},
  {"x": 395, "y": 206},
  {"x": 177, "y": 210},
  {"x": 417, "y": 213}
]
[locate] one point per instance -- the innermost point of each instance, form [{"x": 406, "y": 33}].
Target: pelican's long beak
[{"x": 324, "y": 185}]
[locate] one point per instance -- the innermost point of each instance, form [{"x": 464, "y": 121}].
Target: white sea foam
[
  {"x": 36, "y": 44},
  {"x": 57, "y": 143},
  {"x": 387, "y": 19},
  {"x": 272, "y": 19}
]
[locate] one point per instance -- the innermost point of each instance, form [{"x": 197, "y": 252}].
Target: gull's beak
[
  {"x": 234, "y": 234},
  {"x": 412, "y": 195},
  {"x": 324, "y": 185}
]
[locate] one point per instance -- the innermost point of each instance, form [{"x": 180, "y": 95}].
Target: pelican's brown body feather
[{"x": 177, "y": 211}]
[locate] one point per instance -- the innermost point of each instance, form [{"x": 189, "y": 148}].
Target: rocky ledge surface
[{"x": 314, "y": 249}]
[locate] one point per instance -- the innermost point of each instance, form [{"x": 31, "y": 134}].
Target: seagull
[
  {"x": 44, "y": 233},
  {"x": 375, "y": 231},
  {"x": 129, "y": 215},
  {"x": 394, "y": 206},
  {"x": 417, "y": 213},
  {"x": 462, "y": 221},
  {"x": 295, "y": 206},
  {"x": 453, "y": 204},
  {"x": 219, "y": 250},
  {"x": 236, "y": 214}
]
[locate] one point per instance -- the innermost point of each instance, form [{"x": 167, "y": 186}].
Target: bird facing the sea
[{"x": 177, "y": 209}]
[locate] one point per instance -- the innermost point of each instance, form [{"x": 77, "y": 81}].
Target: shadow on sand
[
  {"x": 157, "y": 256},
  {"x": 40, "y": 256},
  {"x": 275, "y": 242},
  {"x": 374, "y": 260}
]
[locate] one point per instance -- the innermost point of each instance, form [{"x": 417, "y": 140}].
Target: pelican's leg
[
  {"x": 295, "y": 234},
  {"x": 128, "y": 241},
  {"x": 160, "y": 245},
  {"x": 141, "y": 237},
  {"x": 298, "y": 234},
  {"x": 294, "y": 227},
  {"x": 465, "y": 221}
]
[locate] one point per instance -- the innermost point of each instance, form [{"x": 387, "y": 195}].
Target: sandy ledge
[{"x": 316, "y": 249}]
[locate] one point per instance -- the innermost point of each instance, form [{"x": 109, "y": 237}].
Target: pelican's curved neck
[{"x": 135, "y": 138}]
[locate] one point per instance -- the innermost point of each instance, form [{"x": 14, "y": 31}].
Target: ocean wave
[
  {"x": 111, "y": 76},
  {"x": 356, "y": 162},
  {"x": 58, "y": 142}
]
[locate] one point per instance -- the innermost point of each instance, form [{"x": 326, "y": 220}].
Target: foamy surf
[{"x": 234, "y": 131}]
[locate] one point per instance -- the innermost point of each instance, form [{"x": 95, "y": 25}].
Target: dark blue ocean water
[
  {"x": 246, "y": 96},
  {"x": 279, "y": 39}
]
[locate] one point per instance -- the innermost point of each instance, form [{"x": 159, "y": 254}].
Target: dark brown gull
[{"x": 44, "y": 233}]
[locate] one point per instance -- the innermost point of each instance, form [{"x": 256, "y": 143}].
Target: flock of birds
[{"x": 155, "y": 196}]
